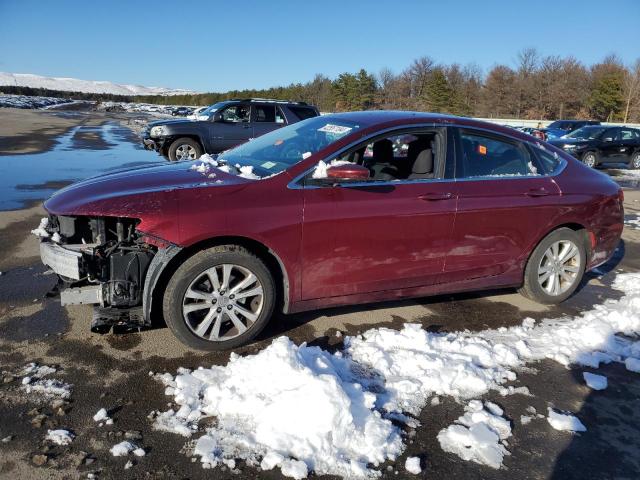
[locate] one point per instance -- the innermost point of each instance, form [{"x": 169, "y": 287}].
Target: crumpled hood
[{"x": 132, "y": 191}]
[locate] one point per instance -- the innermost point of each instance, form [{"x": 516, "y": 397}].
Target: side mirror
[
  {"x": 216, "y": 117},
  {"x": 348, "y": 173}
]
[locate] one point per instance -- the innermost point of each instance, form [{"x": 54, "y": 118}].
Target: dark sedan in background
[{"x": 597, "y": 144}]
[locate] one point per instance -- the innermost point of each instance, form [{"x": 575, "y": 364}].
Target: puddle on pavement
[{"x": 82, "y": 152}]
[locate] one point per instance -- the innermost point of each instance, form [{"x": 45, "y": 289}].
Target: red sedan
[{"x": 335, "y": 210}]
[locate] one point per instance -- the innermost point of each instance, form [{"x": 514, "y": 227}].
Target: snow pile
[
  {"x": 478, "y": 435},
  {"x": 321, "y": 168},
  {"x": 290, "y": 404},
  {"x": 24, "y": 101},
  {"x": 412, "y": 465},
  {"x": 596, "y": 382},
  {"x": 286, "y": 405},
  {"x": 60, "y": 437},
  {"x": 124, "y": 448},
  {"x": 41, "y": 230},
  {"x": 207, "y": 162},
  {"x": 565, "y": 422}
]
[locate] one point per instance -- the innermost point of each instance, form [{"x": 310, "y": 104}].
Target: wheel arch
[
  {"x": 156, "y": 282},
  {"x": 193, "y": 136}
]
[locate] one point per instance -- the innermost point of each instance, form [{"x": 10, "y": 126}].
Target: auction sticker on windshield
[{"x": 337, "y": 129}]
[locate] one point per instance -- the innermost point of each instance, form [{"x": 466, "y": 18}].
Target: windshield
[
  {"x": 207, "y": 112},
  {"x": 586, "y": 133},
  {"x": 276, "y": 151}
]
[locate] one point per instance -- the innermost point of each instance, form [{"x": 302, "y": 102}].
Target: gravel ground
[{"x": 112, "y": 371}]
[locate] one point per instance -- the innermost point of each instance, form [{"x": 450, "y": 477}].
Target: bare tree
[{"x": 631, "y": 88}]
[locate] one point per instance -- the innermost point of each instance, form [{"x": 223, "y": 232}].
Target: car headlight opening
[{"x": 156, "y": 131}]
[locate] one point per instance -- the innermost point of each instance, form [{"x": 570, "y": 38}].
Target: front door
[
  {"x": 266, "y": 118},
  {"x": 388, "y": 233},
  {"x": 233, "y": 128}
]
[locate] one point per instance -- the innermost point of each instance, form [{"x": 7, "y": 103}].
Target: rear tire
[
  {"x": 634, "y": 162},
  {"x": 555, "y": 268},
  {"x": 590, "y": 159},
  {"x": 184, "y": 148},
  {"x": 219, "y": 298}
]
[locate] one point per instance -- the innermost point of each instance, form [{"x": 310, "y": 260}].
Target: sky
[{"x": 223, "y": 45}]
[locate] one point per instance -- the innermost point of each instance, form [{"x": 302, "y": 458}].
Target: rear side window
[
  {"x": 265, "y": 113},
  {"x": 303, "y": 112},
  {"x": 488, "y": 156},
  {"x": 628, "y": 134},
  {"x": 549, "y": 161}
]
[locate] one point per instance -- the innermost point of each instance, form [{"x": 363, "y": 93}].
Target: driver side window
[
  {"x": 236, "y": 114},
  {"x": 407, "y": 156}
]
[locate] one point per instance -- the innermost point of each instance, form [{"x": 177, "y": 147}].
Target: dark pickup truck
[{"x": 222, "y": 126}]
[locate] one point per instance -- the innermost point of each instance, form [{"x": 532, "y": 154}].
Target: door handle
[
  {"x": 537, "y": 192},
  {"x": 433, "y": 197}
]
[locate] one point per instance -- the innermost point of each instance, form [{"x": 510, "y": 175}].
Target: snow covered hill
[{"x": 85, "y": 86}]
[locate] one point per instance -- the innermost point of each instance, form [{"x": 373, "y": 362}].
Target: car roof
[{"x": 391, "y": 118}]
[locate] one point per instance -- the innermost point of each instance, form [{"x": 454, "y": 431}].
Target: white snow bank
[
  {"x": 565, "y": 422},
  {"x": 412, "y": 465},
  {"x": 633, "y": 364},
  {"x": 60, "y": 437},
  {"x": 286, "y": 403},
  {"x": 321, "y": 168},
  {"x": 596, "y": 382},
  {"x": 332, "y": 411},
  {"x": 124, "y": 448},
  {"x": 40, "y": 231},
  {"x": 478, "y": 435}
]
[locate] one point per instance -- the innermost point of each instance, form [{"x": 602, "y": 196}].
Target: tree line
[{"x": 534, "y": 87}]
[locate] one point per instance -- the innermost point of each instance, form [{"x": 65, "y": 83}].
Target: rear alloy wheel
[
  {"x": 590, "y": 159},
  {"x": 184, "y": 149},
  {"x": 634, "y": 163},
  {"x": 220, "y": 298},
  {"x": 555, "y": 267}
]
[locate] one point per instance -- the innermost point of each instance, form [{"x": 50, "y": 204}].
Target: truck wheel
[
  {"x": 634, "y": 163},
  {"x": 555, "y": 268},
  {"x": 220, "y": 298},
  {"x": 184, "y": 149},
  {"x": 590, "y": 159}
]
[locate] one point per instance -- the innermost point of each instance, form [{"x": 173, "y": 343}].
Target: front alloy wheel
[
  {"x": 222, "y": 302},
  {"x": 185, "y": 152},
  {"x": 219, "y": 298}
]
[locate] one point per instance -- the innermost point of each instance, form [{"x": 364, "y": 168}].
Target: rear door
[
  {"x": 233, "y": 128},
  {"x": 266, "y": 118},
  {"x": 503, "y": 203},
  {"x": 628, "y": 140}
]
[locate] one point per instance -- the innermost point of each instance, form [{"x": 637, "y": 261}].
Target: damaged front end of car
[{"x": 103, "y": 261}]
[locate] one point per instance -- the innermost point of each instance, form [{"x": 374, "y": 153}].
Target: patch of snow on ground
[
  {"x": 40, "y": 231},
  {"x": 124, "y": 448},
  {"x": 478, "y": 435},
  {"x": 332, "y": 411},
  {"x": 565, "y": 422},
  {"x": 412, "y": 465},
  {"x": 596, "y": 382},
  {"x": 60, "y": 437},
  {"x": 33, "y": 381},
  {"x": 633, "y": 364}
]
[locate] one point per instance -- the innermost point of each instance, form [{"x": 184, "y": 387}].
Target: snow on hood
[{"x": 289, "y": 404}]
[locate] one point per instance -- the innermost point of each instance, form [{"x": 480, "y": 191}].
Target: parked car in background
[
  {"x": 222, "y": 126},
  {"x": 300, "y": 218},
  {"x": 560, "y": 128},
  {"x": 181, "y": 111},
  {"x": 596, "y": 144}
]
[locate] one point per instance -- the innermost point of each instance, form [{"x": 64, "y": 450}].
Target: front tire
[
  {"x": 184, "y": 149},
  {"x": 590, "y": 159},
  {"x": 555, "y": 268},
  {"x": 634, "y": 162},
  {"x": 219, "y": 298}
]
